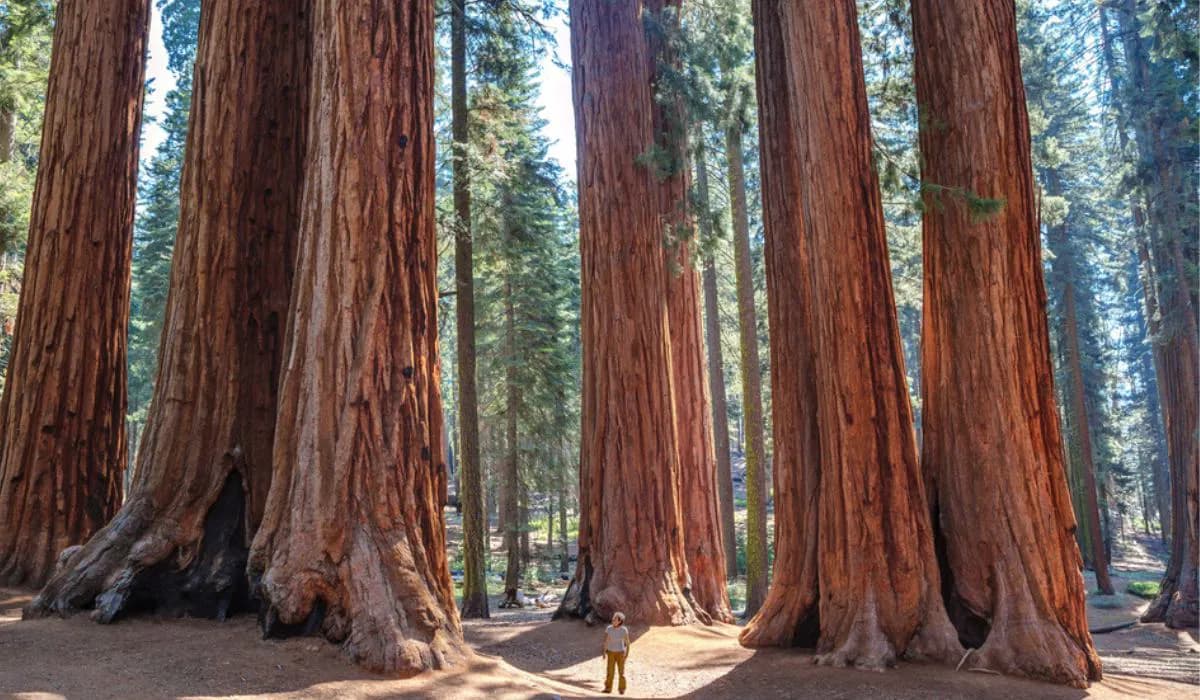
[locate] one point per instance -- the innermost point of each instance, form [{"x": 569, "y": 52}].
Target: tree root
[{"x": 143, "y": 561}]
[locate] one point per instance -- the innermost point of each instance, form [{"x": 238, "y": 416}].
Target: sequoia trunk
[
  {"x": 352, "y": 542},
  {"x": 993, "y": 451},
  {"x": 179, "y": 543},
  {"x": 470, "y": 493},
  {"x": 631, "y": 548},
  {"x": 697, "y": 465},
  {"x": 877, "y": 572},
  {"x": 790, "y": 613},
  {"x": 62, "y": 416}
]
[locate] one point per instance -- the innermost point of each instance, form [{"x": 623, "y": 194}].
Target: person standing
[{"x": 616, "y": 649}]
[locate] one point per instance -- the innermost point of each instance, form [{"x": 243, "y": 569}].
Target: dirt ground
[{"x": 521, "y": 655}]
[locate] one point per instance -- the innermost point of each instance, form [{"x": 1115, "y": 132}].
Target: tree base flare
[
  {"x": 1024, "y": 642},
  {"x": 371, "y": 602},
  {"x": 143, "y": 562},
  {"x": 788, "y": 618}
]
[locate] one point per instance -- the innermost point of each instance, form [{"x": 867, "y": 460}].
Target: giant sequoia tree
[
  {"x": 62, "y": 417},
  {"x": 690, "y": 406},
  {"x": 352, "y": 542},
  {"x": 992, "y": 448},
  {"x": 180, "y": 541},
  {"x": 631, "y": 534},
  {"x": 875, "y": 566}
]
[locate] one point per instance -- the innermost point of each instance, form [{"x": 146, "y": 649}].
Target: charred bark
[
  {"x": 993, "y": 451},
  {"x": 179, "y": 543},
  {"x": 631, "y": 536},
  {"x": 877, "y": 572},
  {"x": 62, "y": 416},
  {"x": 352, "y": 541}
]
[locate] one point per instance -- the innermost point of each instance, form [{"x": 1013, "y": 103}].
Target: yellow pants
[{"x": 616, "y": 659}]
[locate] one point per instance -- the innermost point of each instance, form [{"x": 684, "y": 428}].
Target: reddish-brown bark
[
  {"x": 631, "y": 538},
  {"x": 693, "y": 421},
  {"x": 877, "y": 573},
  {"x": 993, "y": 452},
  {"x": 180, "y": 541},
  {"x": 789, "y": 615},
  {"x": 697, "y": 465},
  {"x": 352, "y": 542},
  {"x": 62, "y": 418}
]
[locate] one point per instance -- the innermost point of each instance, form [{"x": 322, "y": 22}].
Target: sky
[{"x": 554, "y": 99}]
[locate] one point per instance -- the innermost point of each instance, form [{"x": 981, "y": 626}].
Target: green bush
[{"x": 1144, "y": 589}]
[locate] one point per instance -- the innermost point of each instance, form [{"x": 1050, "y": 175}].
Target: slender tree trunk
[
  {"x": 877, "y": 575},
  {"x": 562, "y": 529},
  {"x": 1013, "y": 585},
  {"x": 756, "y": 481},
  {"x": 550, "y": 523},
  {"x": 631, "y": 538},
  {"x": 470, "y": 495},
  {"x": 352, "y": 542},
  {"x": 716, "y": 374},
  {"x": 1065, "y": 268},
  {"x": 511, "y": 483},
  {"x": 179, "y": 543},
  {"x": 790, "y": 613},
  {"x": 525, "y": 551},
  {"x": 8, "y": 130},
  {"x": 62, "y": 415}
]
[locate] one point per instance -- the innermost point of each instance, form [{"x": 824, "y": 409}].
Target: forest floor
[{"x": 522, "y": 654}]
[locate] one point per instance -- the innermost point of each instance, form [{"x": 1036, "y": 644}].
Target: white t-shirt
[{"x": 616, "y": 638}]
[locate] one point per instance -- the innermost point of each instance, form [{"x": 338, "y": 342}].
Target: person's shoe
[{"x": 606, "y": 690}]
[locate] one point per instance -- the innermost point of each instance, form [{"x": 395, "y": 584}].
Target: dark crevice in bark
[
  {"x": 808, "y": 629},
  {"x": 213, "y": 586},
  {"x": 272, "y": 628},
  {"x": 972, "y": 629},
  {"x": 576, "y": 601}
]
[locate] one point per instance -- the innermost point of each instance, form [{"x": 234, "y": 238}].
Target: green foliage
[
  {"x": 1144, "y": 589},
  {"x": 158, "y": 209},
  {"x": 25, "y": 35},
  {"x": 981, "y": 208},
  {"x": 526, "y": 260}
]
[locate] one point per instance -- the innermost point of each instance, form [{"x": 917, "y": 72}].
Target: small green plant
[
  {"x": 1144, "y": 589},
  {"x": 981, "y": 208}
]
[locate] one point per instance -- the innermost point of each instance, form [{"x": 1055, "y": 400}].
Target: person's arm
[{"x": 628, "y": 640}]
